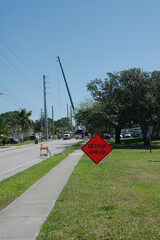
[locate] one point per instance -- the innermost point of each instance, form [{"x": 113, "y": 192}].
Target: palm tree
[{"x": 24, "y": 120}]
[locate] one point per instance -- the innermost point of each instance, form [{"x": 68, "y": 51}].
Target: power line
[
  {"x": 20, "y": 60},
  {"x": 8, "y": 100},
  {"x": 14, "y": 67},
  {"x": 11, "y": 101},
  {"x": 8, "y": 67},
  {"x": 20, "y": 73},
  {"x": 18, "y": 99}
]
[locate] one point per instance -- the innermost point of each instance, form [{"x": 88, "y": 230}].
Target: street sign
[{"x": 96, "y": 148}]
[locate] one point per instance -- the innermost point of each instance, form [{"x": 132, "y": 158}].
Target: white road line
[{"x": 19, "y": 166}]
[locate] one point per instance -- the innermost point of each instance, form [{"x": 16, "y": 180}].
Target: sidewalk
[{"x": 23, "y": 218}]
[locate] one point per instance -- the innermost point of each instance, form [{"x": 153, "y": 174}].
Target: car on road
[
  {"x": 80, "y": 133},
  {"x": 126, "y": 135},
  {"x": 78, "y": 136},
  {"x": 136, "y": 134},
  {"x": 32, "y": 138},
  {"x": 66, "y": 136},
  {"x": 13, "y": 140},
  {"x": 121, "y": 135},
  {"x": 106, "y": 136}
]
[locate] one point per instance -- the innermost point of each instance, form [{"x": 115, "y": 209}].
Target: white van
[{"x": 66, "y": 136}]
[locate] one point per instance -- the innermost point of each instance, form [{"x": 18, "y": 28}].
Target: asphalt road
[{"x": 16, "y": 159}]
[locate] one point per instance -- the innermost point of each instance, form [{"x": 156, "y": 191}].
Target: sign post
[{"x": 96, "y": 149}]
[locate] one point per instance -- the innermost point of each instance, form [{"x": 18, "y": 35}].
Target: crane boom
[{"x": 66, "y": 83}]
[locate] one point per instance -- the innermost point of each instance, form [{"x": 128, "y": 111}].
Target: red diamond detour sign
[{"x": 96, "y": 148}]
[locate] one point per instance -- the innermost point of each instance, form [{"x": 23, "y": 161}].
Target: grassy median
[
  {"x": 7, "y": 145},
  {"x": 14, "y": 186},
  {"x": 120, "y": 200}
]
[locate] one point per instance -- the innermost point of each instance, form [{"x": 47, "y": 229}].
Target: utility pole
[
  {"x": 68, "y": 116},
  {"x": 67, "y": 110},
  {"x": 71, "y": 119},
  {"x": 45, "y": 108},
  {"x": 41, "y": 125},
  {"x": 66, "y": 83},
  {"x": 53, "y": 122}
]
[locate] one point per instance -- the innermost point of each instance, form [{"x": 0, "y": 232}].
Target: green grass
[
  {"x": 133, "y": 143},
  {"x": 14, "y": 186},
  {"x": 7, "y": 145},
  {"x": 120, "y": 200}
]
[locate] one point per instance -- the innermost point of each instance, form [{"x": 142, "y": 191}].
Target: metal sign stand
[{"x": 104, "y": 163}]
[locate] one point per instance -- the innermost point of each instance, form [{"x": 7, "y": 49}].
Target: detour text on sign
[{"x": 96, "y": 148}]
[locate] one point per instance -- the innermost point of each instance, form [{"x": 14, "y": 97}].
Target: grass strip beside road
[
  {"x": 120, "y": 200},
  {"x": 14, "y": 186},
  {"x": 8, "y": 145}
]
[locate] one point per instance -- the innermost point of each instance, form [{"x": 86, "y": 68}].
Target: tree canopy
[
  {"x": 123, "y": 98},
  {"x": 13, "y": 121}
]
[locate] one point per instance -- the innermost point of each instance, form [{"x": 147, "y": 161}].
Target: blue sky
[{"x": 92, "y": 37}]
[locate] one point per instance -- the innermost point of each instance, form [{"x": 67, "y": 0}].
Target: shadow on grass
[
  {"x": 133, "y": 143},
  {"x": 107, "y": 208}
]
